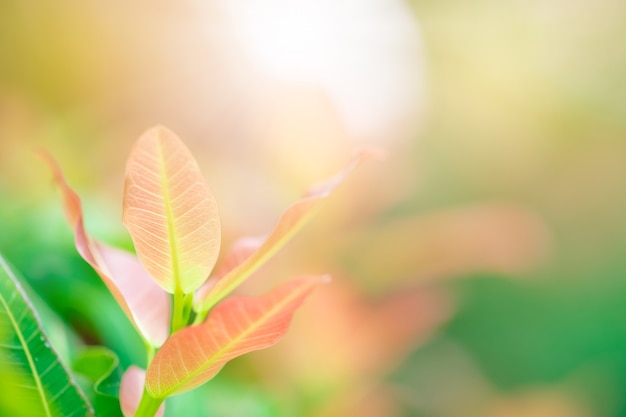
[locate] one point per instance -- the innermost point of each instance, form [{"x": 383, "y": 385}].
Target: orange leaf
[
  {"x": 131, "y": 390},
  {"x": 288, "y": 225},
  {"x": 239, "y": 325},
  {"x": 241, "y": 250},
  {"x": 170, "y": 212},
  {"x": 144, "y": 302}
]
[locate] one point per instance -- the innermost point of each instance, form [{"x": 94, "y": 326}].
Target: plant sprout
[{"x": 168, "y": 290}]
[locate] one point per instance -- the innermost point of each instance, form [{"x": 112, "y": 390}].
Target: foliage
[{"x": 189, "y": 330}]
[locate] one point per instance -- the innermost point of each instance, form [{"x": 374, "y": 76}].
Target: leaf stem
[
  {"x": 187, "y": 307},
  {"x": 148, "y": 406},
  {"x": 150, "y": 352},
  {"x": 182, "y": 310},
  {"x": 178, "y": 311},
  {"x": 200, "y": 316}
]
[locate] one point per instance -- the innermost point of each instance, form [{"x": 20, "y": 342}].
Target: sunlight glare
[{"x": 366, "y": 54}]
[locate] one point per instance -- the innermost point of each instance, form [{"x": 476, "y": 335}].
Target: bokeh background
[{"x": 479, "y": 270}]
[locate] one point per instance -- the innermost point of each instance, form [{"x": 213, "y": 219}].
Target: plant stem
[
  {"x": 187, "y": 307},
  {"x": 150, "y": 352},
  {"x": 178, "y": 311},
  {"x": 148, "y": 406},
  {"x": 182, "y": 310},
  {"x": 200, "y": 316}
]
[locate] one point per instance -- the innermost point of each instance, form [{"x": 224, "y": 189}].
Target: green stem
[
  {"x": 182, "y": 310},
  {"x": 150, "y": 352},
  {"x": 148, "y": 406},
  {"x": 187, "y": 307},
  {"x": 178, "y": 310},
  {"x": 200, "y": 316}
]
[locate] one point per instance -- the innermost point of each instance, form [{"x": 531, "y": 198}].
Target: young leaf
[
  {"x": 131, "y": 391},
  {"x": 241, "y": 250},
  {"x": 44, "y": 384},
  {"x": 288, "y": 225},
  {"x": 143, "y": 301},
  {"x": 237, "y": 326},
  {"x": 170, "y": 212}
]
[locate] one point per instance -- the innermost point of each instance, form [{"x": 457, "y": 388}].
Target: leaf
[
  {"x": 101, "y": 366},
  {"x": 241, "y": 250},
  {"x": 239, "y": 325},
  {"x": 288, "y": 225},
  {"x": 132, "y": 389},
  {"x": 45, "y": 385},
  {"x": 100, "y": 375},
  {"x": 143, "y": 301},
  {"x": 170, "y": 212}
]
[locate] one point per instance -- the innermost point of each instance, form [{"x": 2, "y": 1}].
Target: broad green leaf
[
  {"x": 99, "y": 374},
  {"x": 25, "y": 352},
  {"x": 131, "y": 390},
  {"x": 239, "y": 325},
  {"x": 11, "y": 383},
  {"x": 288, "y": 225},
  {"x": 101, "y": 366},
  {"x": 145, "y": 303},
  {"x": 170, "y": 212}
]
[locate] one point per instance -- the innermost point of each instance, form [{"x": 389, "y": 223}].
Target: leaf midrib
[
  {"x": 169, "y": 215},
  {"x": 241, "y": 272},
  {"x": 215, "y": 357}
]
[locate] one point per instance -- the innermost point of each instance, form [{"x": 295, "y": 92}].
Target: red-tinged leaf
[
  {"x": 288, "y": 225},
  {"x": 148, "y": 303},
  {"x": 241, "y": 250},
  {"x": 239, "y": 325},
  {"x": 170, "y": 212},
  {"x": 131, "y": 390},
  {"x": 144, "y": 302}
]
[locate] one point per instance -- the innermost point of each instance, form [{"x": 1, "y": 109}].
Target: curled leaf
[
  {"x": 290, "y": 222},
  {"x": 239, "y": 325},
  {"x": 131, "y": 390},
  {"x": 144, "y": 302},
  {"x": 170, "y": 212},
  {"x": 101, "y": 366}
]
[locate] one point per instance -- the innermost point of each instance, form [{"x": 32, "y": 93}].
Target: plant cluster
[{"x": 169, "y": 290}]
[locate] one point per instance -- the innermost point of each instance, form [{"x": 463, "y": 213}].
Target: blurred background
[{"x": 479, "y": 270}]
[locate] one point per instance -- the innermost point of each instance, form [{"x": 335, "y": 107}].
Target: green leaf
[
  {"x": 37, "y": 378},
  {"x": 100, "y": 379},
  {"x": 101, "y": 366}
]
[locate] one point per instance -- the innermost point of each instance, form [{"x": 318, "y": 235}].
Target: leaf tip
[
  {"x": 324, "y": 189},
  {"x": 71, "y": 201},
  {"x": 159, "y": 131}
]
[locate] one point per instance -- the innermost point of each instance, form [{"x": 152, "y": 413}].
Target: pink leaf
[
  {"x": 131, "y": 390},
  {"x": 288, "y": 225},
  {"x": 241, "y": 250},
  {"x": 144, "y": 302},
  {"x": 239, "y": 325},
  {"x": 170, "y": 212}
]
